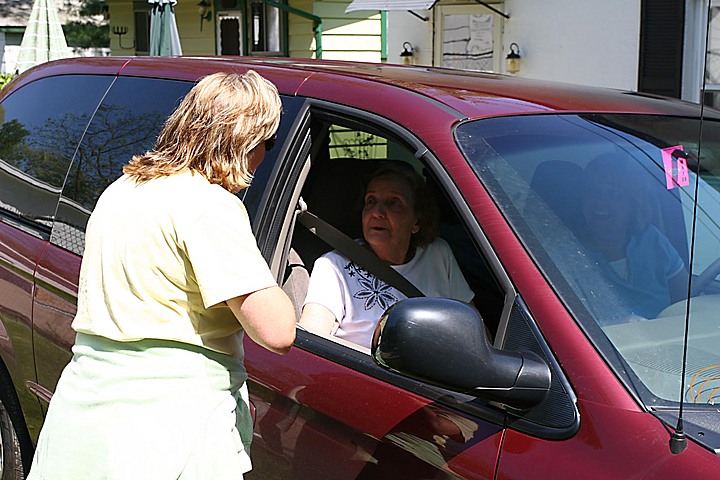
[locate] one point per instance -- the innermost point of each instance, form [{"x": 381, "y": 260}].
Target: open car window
[{"x": 343, "y": 156}]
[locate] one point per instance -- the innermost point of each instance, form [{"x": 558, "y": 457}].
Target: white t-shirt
[
  {"x": 358, "y": 299},
  {"x": 160, "y": 259}
]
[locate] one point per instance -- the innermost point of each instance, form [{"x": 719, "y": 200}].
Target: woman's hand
[{"x": 702, "y": 281}]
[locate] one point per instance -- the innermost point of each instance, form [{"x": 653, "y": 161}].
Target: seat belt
[{"x": 356, "y": 252}]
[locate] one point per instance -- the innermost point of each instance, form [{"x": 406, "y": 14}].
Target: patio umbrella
[
  {"x": 164, "y": 38},
  {"x": 43, "y": 39}
]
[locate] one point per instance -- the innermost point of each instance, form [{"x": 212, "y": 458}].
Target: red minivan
[{"x": 582, "y": 359}]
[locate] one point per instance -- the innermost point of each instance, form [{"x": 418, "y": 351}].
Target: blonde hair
[{"x": 213, "y": 130}]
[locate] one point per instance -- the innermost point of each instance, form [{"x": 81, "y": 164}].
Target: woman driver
[{"x": 398, "y": 222}]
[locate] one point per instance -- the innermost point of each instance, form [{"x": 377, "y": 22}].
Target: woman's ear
[{"x": 417, "y": 227}]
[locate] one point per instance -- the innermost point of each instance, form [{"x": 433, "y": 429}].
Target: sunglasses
[{"x": 270, "y": 143}]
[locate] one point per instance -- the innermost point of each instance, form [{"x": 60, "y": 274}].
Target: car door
[
  {"x": 326, "y": 410},
  {"x": 126, "y": 123},
  {"x": 42, "y": 123}
]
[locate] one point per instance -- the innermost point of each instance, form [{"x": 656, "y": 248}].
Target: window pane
[
  {"x": 265, "y": 25},
  {"x": 468, "y": 42},
  {"x": 253, "y": 194},
  {"x": 127, "y": 123},
  {"x": 42, "y": 124}
]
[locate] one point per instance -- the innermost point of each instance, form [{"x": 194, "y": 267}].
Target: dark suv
[{"x": 580, "y": 359}]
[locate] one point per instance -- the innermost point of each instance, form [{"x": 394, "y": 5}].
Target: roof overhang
[
  {"x": 409, "y": 5},
  {"x": 390, "y": 5}
]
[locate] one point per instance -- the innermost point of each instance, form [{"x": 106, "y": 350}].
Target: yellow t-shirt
[{"x": 160, "y": 259}]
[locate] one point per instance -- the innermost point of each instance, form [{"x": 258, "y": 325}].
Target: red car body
[{"x": 324, "y": 411}]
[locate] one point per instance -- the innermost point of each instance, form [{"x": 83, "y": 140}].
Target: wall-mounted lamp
[
  {"x": 407, "y": 54},
  {"x": 120, "y": 31},
  {"x": 204, "y": 11},
  {"x": 512, "y": 60}
]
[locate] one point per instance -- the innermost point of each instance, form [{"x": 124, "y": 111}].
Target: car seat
[{"x": 333, "y": 192}]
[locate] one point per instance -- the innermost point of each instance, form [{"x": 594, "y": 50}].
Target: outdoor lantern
[
  {"x": 204, "y": 11},
  {"x": 407, "y": 54},
  {"x": 513, "y": 59}
]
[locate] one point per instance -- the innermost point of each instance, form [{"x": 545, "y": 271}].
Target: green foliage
[
  {"x": 5, "y": 78},
  {"x": 86, "y": 34},
  {"x": 93, "y": 7}
]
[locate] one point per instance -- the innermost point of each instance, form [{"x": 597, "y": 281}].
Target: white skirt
[{"x": 151, "y": 409}]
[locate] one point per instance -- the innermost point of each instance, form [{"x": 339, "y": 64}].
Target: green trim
[
  {"x": 317, "y": 23},
  {"x": 12, "y": 29},
  {"x": 383, "y": 36}
]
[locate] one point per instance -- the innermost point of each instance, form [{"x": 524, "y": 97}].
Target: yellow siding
[
  {"x": 192, "y": 40},
  {"x": 121, "y": 14},
  {"x": 349, "y": 36},
  {"x": 352, "y": 36},
  {"x": 301, "y": 40}
]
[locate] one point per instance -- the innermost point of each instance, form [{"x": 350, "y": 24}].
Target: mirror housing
[{"x": 444, "y": 342}]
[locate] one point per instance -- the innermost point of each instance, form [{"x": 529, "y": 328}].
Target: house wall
[
  {"x": 345, "y": 37},
  {"x": 354, "y": 36},
  {"x": 591, "y": 43},
  {"x": 192, "y": 39},
  {"x": 594, "y": 45}
]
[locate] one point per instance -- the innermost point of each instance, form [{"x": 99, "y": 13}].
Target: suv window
[
  {"x": 42, "y": 124},
  {"x": 252, "y": 195},
  {"x": 126, "y": 123},
  {"x": 343, "y": 155}
]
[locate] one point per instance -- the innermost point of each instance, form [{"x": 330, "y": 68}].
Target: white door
[{"x": 230, "y": 33}]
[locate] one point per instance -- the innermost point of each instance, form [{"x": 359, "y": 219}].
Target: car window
[
  {"x": 42, "y": 123},
  {"x": 617, "y": 210},
  {"x": 126, "y": 123},
  {"x": 344, "y": 155},
  {"x": 252, "y": 195}
]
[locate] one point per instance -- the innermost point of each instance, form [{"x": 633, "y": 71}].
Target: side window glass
[
  {"x": 252, "y": 195},
  {"x": 126, "y": 123},
  {"x": 41, "y": 125}
]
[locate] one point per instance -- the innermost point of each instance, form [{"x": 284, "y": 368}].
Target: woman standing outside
[{"x": 170, "y": 280}]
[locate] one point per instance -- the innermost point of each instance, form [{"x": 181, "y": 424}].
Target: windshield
[{"x": 605, "y": 205}]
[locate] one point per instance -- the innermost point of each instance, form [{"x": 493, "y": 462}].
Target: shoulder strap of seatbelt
[{"x": 357, "y": 253}]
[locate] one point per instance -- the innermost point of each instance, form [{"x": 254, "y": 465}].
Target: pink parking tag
[{"x": 676, "y": 170}]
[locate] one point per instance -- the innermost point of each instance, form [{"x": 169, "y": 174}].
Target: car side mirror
[{"x": 444, "y": 342}]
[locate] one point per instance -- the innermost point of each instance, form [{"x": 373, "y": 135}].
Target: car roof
[{"x": 462, "y": 94}]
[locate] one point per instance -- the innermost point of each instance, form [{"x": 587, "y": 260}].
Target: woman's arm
[
  {"x": 319, "y": 319},
  {"x": 268, "y": 317}
]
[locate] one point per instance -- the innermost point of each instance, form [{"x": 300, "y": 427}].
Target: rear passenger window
[
  {"x": 127, "y": 123},
  {"x": 42, "y": 124}
]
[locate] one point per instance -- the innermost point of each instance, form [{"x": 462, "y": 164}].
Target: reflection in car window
[
  {"x": 42, "y": 124},
  {"x": 252, "y": 195},
  {"x": 126, "y": 123},
  {"x": 572, "y": 185}
]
